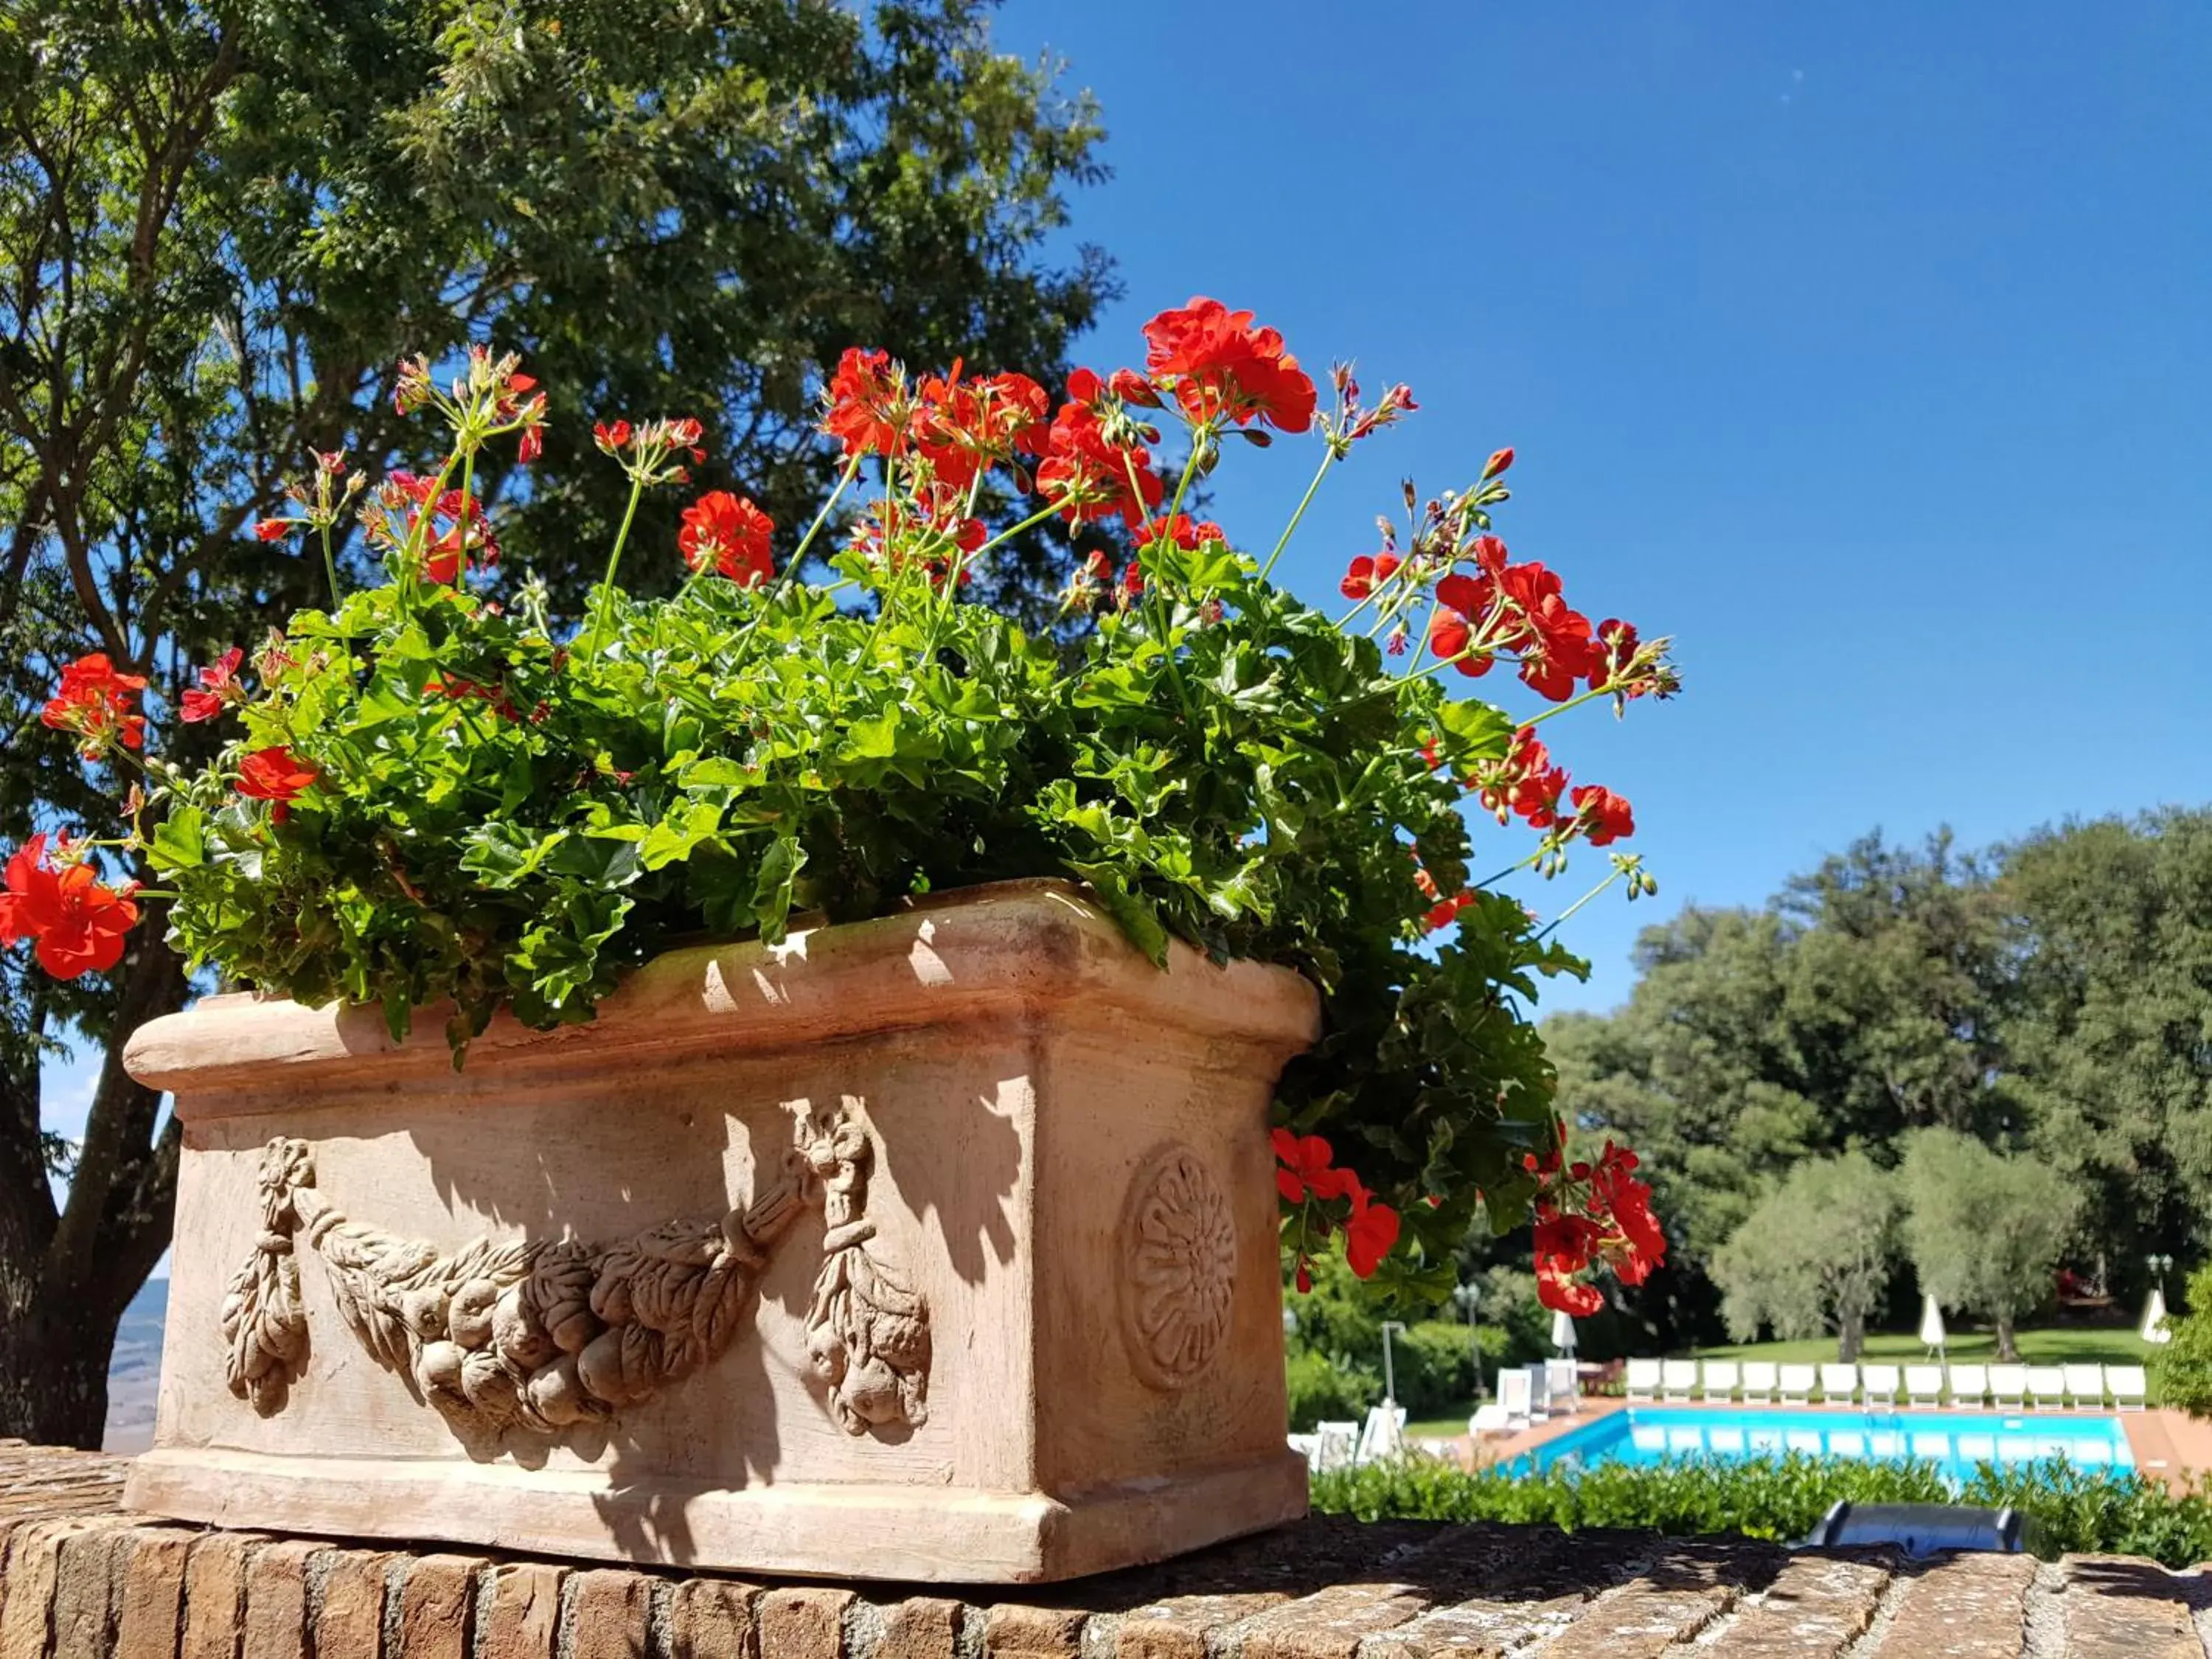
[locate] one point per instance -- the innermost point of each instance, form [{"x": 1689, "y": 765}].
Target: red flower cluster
[
  {"x": 1367, "y": 573},
  {"x": 98, "y": 705},
  {"x": 727, "y": 533},
  {"x": 1216, "y": 364},
  {"x": 869, "y": 407},
  {"x": 218, "y": 687},
  {"x": 450, "y": 529},
  {"x": 1093, "y": 474},
  {"x": 1525, "y": 781},
  {"x": 76, "y": 920},
  {"x": 650, "y": 451},
  {"x": 276, "y": 774},
  {"x": 1597, "y": 1213},
  {"x": 1605, "y": 818},
  {"x": 1305, "y": 1176},
  {"x": 1516, "y": 608},
  {"x": 964, "y": 427}
]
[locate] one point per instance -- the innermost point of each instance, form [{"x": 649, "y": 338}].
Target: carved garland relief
[
  {"x": 537, "y": 1336},
  {"x": 1179, "y": 1270}
]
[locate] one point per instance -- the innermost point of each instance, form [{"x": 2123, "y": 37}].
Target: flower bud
[
  {"x": 1132, "y": 387},
  {"x": 1498, "y": 463}
]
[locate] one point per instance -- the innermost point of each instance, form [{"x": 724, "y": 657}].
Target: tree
[
  {"x": 2184, "y": 1364},
  {"x": 1984, "y": 1231},
  {"x": 1815, "y": 1256},
  {"x": 2108, "y": 1023},
  {"x": 220, "y": 228},
  {"x": 1860, "y": 1003}
]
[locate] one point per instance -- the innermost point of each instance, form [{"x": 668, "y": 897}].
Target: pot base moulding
[{"x": 939, "y": 1247}]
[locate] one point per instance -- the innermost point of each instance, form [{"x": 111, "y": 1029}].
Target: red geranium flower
[
  {"x": 1367, "y": 573},
  {"x": 272, "y": 529},
  {"x": 1185, "y": 532},
  {"x": 1368, "y": 1233},
  {"x": 729, "y": 533},
  {"x": 962, "y": 427},
  {"x": 218, "y": 685},
  {"x": 77, "y": 921},
  {"x": 98, "y": 705},
  {"x": 868, "y": 411},
  {"x": 1305, "y": 1171},
  {"x": 1606, "y": 816},
  {"x": 1220, "y": 365},
  {"x": 1091, "y": 476},
  {"x": 274, "y": 774}
]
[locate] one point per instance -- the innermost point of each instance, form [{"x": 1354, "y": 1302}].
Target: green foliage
[
  {"x": 2075, "y": 1510},
  {"x": 2049, "y": 999},
  {"x": 1328, "y": 1387},
  {"x": 2105, "y": 1026},
  {"x": 1220, "y": 764},
  {"x": 1434, "y": 1359},
  {"x": 1815, "y": 1256},
  {"x": 1984, "y": 1231},
  {"x": 2184, "y": 1366}
]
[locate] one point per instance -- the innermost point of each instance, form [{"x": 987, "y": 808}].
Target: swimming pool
[{"x": 1957, "y": 1441}]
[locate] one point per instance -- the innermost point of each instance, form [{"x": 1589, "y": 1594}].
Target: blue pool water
[{"x": 1958, "y": 1441}]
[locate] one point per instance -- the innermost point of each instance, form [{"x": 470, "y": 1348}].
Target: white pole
[{"x": 1389, "y": 1374}]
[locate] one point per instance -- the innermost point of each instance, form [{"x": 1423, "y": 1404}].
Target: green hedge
[{"x": 2078, "y": 1509}]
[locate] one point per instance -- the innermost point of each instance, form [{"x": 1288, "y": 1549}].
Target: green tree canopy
[
  {"x": 221, "y": 226},
  {"x": 2108, "y": 1025},
  {"x": 1985, "y": 1230},
  {"x": 1815, "y": 1256}
]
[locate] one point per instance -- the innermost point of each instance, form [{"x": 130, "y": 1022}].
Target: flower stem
[
  {"x": 798, "y": 554},
  {"x": 329, "y": 564},
  {"x": 1579, "y": 902},
  {"x": 614, "y": 561},
  {"x": 1328, "y": 461}
]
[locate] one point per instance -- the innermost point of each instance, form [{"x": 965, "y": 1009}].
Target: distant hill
[{"x": 136, "y": 1370}]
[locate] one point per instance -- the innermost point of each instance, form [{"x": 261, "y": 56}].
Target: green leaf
[{"x": 180, "y": 841}]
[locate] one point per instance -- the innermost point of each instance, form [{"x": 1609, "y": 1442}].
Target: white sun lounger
[
  {"x": 1382, "y": 1437},
  {"x": 1540, "y": 1390},
  {"x": 1334, "y": 1445},
  {"x": 1970, "y": 1387},
  {"x": 1513, "y": 1395},
  {"x": 1758, "y": 1381},
  {"x": 2085, "y": 1384},
  {"x": 1720, "y": 1380},
  {"x": 1838, "y": 1383},
  {"x": 1796, "y": 1383},
  {"x": 1924, "y": 1385},
  {"x": 1492, "y": 1418},
  {"x": 2009, "y": 1387},
  {"x": 1643, "y": 1379},
  {"x": 1881, "y": 1383},
  {"x": 1678, "y": 1378},
  {"x": 2046, "y": 1384},
  {"x": 1563, "y": 1387},
  {"x": 2130, "y": 1389}
]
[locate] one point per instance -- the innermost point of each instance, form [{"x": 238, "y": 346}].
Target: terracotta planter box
[{"x": 940, "y": 1247}]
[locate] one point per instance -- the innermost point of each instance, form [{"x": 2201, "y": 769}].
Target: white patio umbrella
[
  {"x": 2154, "y": 1328},
  {"x": 1563, "y": 1332},
  {"x": 1931, "y": 1324}
]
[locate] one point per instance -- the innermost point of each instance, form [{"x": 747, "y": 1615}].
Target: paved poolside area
[{"x": 2170, "y": 1444}]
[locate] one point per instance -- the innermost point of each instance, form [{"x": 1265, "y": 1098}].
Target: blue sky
[{"x": 1866, "y": 350}]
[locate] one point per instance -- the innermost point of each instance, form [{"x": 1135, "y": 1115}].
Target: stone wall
[{"x": 80, "y": 1580}]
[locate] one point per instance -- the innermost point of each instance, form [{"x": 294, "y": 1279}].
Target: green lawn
[{"x": 2056, "y": 1345}]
